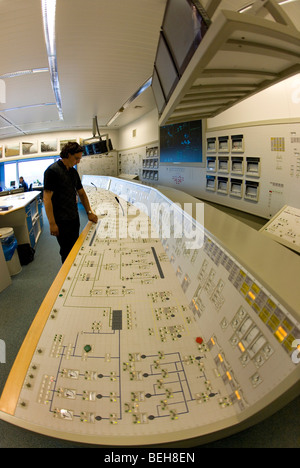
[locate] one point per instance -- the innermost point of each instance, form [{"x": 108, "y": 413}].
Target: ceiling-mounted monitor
[
  {"x": 103, "y": 146},
  {"x": 165, "y": 68},
  {"x": 184, "y": 26},
  {"x": 98, "y": 147},
  {"x": 182, "y": 143},
  {"x": 158, "y": 93}
]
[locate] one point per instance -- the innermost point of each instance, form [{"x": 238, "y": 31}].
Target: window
[
  {"x": 11, "y": 176},
  {"x": 33, "y": 170}
]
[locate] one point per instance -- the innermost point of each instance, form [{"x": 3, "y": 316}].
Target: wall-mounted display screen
[{"x": 181, "y": 143}]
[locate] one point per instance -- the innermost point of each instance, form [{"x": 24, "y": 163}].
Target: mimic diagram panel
[{"x": 151, "y": 342}]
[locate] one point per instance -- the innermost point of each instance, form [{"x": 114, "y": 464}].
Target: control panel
[
  {"x": 150, "y": 340},
  {"x": 284, "y": 227}
]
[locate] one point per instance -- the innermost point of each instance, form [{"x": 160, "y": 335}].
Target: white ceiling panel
[
  {"x": 105, "y": 52},
  {"x": 22, "y": 44},
  {"x": 28, "y": 90},
  {"x": 33, "y": 114}
]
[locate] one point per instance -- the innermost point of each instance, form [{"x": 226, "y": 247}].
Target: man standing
[{"x": 61, "y": 186}]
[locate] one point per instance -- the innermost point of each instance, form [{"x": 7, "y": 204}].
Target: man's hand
[
  {"x": 54, "y": 231},
  {"x": 93, "y": 217}
]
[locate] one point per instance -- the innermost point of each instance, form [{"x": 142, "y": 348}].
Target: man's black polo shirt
[{"x": 64, "y": 183}]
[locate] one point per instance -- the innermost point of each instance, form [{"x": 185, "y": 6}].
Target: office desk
[
  {"x": 24, "y": 216},
  {"x": 38, "y": 187}
]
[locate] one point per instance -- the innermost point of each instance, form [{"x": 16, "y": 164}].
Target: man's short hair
[{"x": 70, "y": 148}]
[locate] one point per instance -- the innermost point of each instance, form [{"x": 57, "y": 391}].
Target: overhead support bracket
[{"x": 239, "y": 56}]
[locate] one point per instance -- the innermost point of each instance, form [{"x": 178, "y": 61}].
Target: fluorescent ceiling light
[
  {"x": 143, "y": 88},
  {"x": 23, "y": 72},
  {"x": 281, "y": 2},
  {"x": 287, "y": 1},
  {"x": 29, "y": 106},
  {"x": 48, "y": 12}
]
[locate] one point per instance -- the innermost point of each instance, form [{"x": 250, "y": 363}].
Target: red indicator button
[{"x": 199, "y": 340}]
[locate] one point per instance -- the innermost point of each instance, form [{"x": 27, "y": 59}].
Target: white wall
[
  {"x": 147, "y": 132},
  {"x": 279, "y": 102},
  {"x": 59, "y": 136}
]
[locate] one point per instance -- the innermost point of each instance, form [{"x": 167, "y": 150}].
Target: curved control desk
[{"x": 146, "y": 339}]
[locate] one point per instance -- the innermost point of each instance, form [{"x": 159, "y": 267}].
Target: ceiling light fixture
[
  {"x": 29, "y": 106},
  {"x": 48, "y": 12},
  {"x": 143, "y": 88},
  {"x": 286, "y": 1},
  {"x": 248, "y": 7},
  {"x": 23, "y": 72}
]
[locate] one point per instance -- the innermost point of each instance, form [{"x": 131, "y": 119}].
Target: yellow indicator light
[
  {"x": 237, "y": 395},
  {"x": 250, "y": 294},
  {"x": 241, "y": 347},
  {"x": 228, "y": 375},
  {"x": 280, "y": 334},
  {"x": 220, "y": 357},
  {"x": 282, "y": 331},
  {"x": 213, "y": 341}
]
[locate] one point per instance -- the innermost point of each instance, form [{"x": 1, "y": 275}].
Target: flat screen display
[
  {"x": 165, "y": 68},
  {"x": 181, "y": 143},
  {"x": 184, "y": 27},
  {"x": 103, "y": 146},
  {"x": 158, "y": 93}
]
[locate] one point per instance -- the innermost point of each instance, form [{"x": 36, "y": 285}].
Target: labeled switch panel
[{"x": 150, "y": 340}]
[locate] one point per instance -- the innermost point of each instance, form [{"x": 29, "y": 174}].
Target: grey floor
[{"x": 19, "y": 304}]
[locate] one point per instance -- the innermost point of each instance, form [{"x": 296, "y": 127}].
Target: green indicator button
[{"x": 87, "y": 348}]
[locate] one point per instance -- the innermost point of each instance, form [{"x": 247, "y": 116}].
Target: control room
[{"x": 150, "y": 225}]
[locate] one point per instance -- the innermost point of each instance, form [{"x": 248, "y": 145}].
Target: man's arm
[
  {"x": 85, "y": 201},
  {"x": 54, "y": 231}
]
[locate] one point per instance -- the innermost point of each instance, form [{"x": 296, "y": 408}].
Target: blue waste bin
[{"x": 9, "y": 246}]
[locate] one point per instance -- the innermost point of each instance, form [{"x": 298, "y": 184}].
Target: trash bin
[{"x": 9, "y": 246}]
